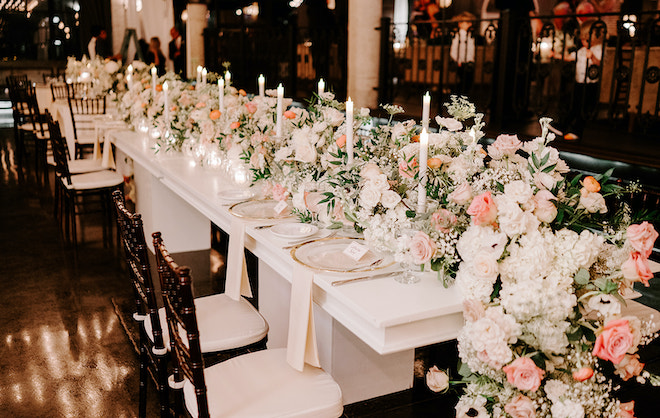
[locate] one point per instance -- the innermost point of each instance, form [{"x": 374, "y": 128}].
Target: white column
[
  {"x": 195, "y": 36},
  {"x": 363, "y": 51}
]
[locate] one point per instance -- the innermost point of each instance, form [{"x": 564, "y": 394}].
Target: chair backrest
[
  {"x": 60, "y": 150},
  {"x": 79, "y": 90},
  {"x": 176, "y": 284},
  {"x": 137, "y": 258},
  {"x": 81, "y": 107},
  {"x": 59, "y": 91},
  {"x": 20, "y": 80},
  {"x": 26, "y": 107}
]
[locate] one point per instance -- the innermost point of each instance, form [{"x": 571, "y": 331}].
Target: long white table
[{"x": 367, "y": 331}]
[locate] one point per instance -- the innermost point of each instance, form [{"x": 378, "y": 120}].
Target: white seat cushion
[
  {"x": 223, "y": 323},
  {"x": 95, "y": 180},
  {"x": 262, "y": 384},
  {"x": 84, "y": 166}
]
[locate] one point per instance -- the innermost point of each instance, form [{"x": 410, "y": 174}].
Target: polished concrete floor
[{"x": 65, "y": 332}]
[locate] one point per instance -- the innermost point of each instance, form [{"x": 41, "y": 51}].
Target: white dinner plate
[
  {"x": 259, "y": 210},
  {"x": 294, "y": 230},
  {"x": 235, "y": 195},
  {"x": 328, "y": 255}
]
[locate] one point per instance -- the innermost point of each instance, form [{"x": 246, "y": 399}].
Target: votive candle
[
  {"x": 349, "y": 130},
  {"x": 199, "y": 74},
  {"x": 280, "y": 111},
  {"x": 203, "y": 76},
  {"x": 423, "y": 157},
  {"x": 262, "y": 85},
  {"x": 227, "y": 77}
]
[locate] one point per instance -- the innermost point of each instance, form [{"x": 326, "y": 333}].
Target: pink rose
[
  {"x": 437, "y": 380},
  {"x": 251, "y": 107},
  {"x": 545, "y": 209},
  {"x": 422, "y": 248},
  {"x": 443, "y": 220},
  {"x": 524, "y": 374},
  {"x": 461, "y": 195},
  {"x": 507, "y": 144},
  {"x": 583, "y": 374},
  {"x": 521, "y": 407},
  {"x": 637, "y": 268},
  {"x": 280, "y": 192},
  {"x": 473, "y": 310},
  {"x": 642, "y": 237},
  {"x": 614, "y": 341},
  {"x": 200, "y": 105},
  {"x": 408, "y": 170},
  {"x": 629, "y": 367},
  {"x": 627, "y": 410},
  {"x": 483, "y": 209}
]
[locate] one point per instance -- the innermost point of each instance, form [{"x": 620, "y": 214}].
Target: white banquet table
[{"x": 367, "y": 331}]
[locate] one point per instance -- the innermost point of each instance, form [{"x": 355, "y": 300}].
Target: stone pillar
[
  {"x": 364, "y": 51},
  {"x": 195, "y": 26}
]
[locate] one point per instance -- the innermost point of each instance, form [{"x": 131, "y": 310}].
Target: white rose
[
  {"x": 592, "y": 202},
  {"x": 369, "y": 197},
  {"x": 518, "y": 191},
  {"x": 370, "y": 171},
  {"x": 450, "y": 123},
  {"x": 544, "y": 181},
  {"x": 305, "y": 151},
  {"x": 461, "y": 195},
  {"x": 380, "y": 182},
  {"x": 364, "y": 112},
  {"x": 333, "y": 116},
  {"x": 545, "y": 209},
  {"x": 485, "y": 266},
  {"x": 282, "y": 153},
  {"x": 437, "y": 380},
  {"x": 390, "y": 199}
]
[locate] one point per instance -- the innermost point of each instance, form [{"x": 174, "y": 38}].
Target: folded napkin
[
  {"x": 108, "y": 160},
  {"x": 301, "y": 344},
  {"x": 237, "y": 283}
]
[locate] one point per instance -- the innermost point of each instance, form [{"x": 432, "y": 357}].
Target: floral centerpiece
[{"x": 104, "y": 75}]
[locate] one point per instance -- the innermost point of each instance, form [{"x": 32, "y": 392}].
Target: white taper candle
[
  {"x": 349, "y": 130},
  {"x": 280, "y": 111},
  {"x": 423, "y": 157}
]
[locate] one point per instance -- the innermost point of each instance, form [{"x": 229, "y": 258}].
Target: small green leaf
[
  {"x": 582, "y": 277},
  {"x": 410, "y": 213}
]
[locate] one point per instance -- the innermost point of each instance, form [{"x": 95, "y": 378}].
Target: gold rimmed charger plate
[
  {"x": 331, "y": 249},
  {"x": 263, "y": 210}
]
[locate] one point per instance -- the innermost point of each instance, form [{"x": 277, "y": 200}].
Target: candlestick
[
  {"x": 166, "y": 105},
  {"x": 349, "y": 130},
  {"x": 262, "y": 85},
  {"x": 227, "y": 77},
  {"x": 204, "y": 76},
  {"x": 199, "y": 74},
  {"x": 153, "y": 81},
  {"x": 221, "y": 94},
  {"x": 321, "y": 87},
  {"x": 423, "y": 157},
  {"x": 280, "y": 98},
  {"x": 425, "y": 111}
]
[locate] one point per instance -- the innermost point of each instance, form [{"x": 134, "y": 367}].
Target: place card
[
  {"x": 279, "y": 208},
  {"x": 356, "y": 251}
]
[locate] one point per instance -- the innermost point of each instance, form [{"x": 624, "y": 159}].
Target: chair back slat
[
  {"x": 79, "y": 90},
  {"x": 60, "y": 150},
  {"x": 18, "y": 81},
  {"x": 81, "y": 107},
  {"x": 137, "y": 258},
  {"x": 59, "y": 91},
  {"x": 176, "y": 285}
]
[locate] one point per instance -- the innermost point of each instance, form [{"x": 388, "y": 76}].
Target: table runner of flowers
[{"x": 542, "y": 262}]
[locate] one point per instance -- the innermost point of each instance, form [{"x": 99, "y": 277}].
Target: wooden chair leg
[
  {"x": 163, "y": 391},
  {"x": 144, "y": 359}
]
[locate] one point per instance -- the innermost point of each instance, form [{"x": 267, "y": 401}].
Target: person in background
[
  {"x": 177, "y": 52},
  {"x": 155, "y": 56},
  {"x": 95, "y": 47},
  {"x": 462, "y": 52},
  {"x": 586, "y": 93}
]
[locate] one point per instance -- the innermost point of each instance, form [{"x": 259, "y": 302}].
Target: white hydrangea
[{"x": 567, "y": 409}]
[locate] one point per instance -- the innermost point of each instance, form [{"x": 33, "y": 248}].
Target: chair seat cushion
[
  {"x": 84, "y": 166},
  {"x": 223, "y": 323},
  {"x": 262, "y": 384},
  {"x": 95, "y": 180}
]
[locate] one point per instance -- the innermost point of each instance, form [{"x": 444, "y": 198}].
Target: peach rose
[
  {"x": 627, "y": 410},
  {"x": 251, "y": 107},
  {"x": 591, "y": 184},
  {"x": 174, "y": 108},
  {"x": 242, "y": 92},
  {"x": 583, "y": 374},
  {"x": 434, "y": 163},
  {"x": 280, "y": 192},
  {"x": 507, "y": 144},
  {"x": 159, "y": 87},
  {"x": 290, "y": 114},
  {"x": 200, "y": 105},
  {"x": 215, "y": 114},
  {"x": 483, "y": 209},
  {"x": 443, "y": 220},
  {"x": 408, "y": 170},
  {"x": 614, "y": 341},
  {"x": 521, "y": 407},
  {"x": 629, "y": 367},
  {"x": 524, "y": 374},
  {"x": 642, "y": 237},
  {"x": 637, "y": 269},
  {"x": 415, "y": 138},
  {"x": 422, "y": 248},
  {"x": 341, "y": 141},
  {"x": 235, "y": 125},
  {"x": 461, "y": 195},
  {"x": 437, "y": 380}
]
